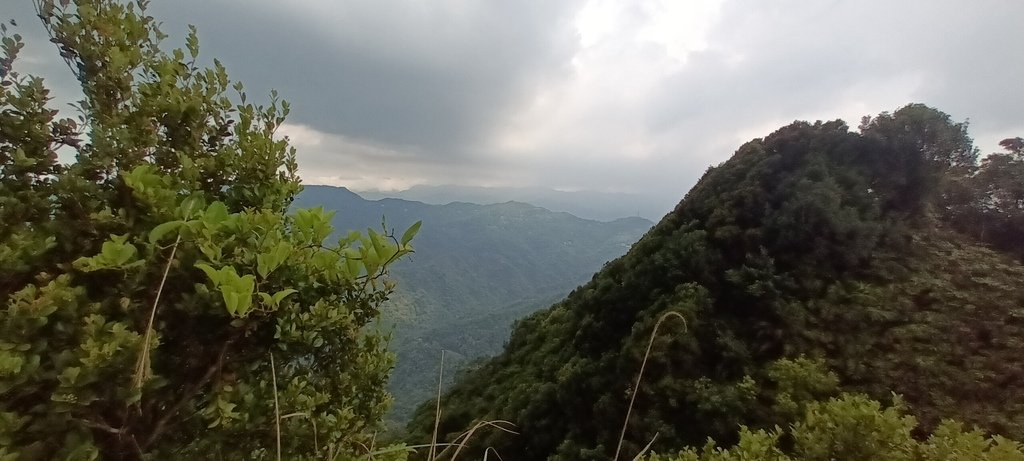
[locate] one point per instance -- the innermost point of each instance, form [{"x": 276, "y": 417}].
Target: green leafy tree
[
  {"x": 919, "y": 151},
  {"x": 159, "y": 300},
  {"x": 991, "y": 205}
]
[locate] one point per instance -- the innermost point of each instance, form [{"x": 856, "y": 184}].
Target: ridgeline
[{"x": 815, "y": 241}]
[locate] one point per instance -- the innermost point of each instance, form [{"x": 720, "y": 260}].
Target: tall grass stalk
[
  {"x": 461, "y": 440},
  {"x": 639, "y": 377},
  {"x": 437, "y": 414},
  {"x": 143, "y": 363},
  {"x": 277, "y": 411}
]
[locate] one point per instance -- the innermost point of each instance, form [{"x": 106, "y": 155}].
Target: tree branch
[{"x": 160, "y": 426}]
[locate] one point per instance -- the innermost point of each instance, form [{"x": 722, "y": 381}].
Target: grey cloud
[
  {"x": 39, "y": 57},
  {"x": 418, "y": 91},
  {"x": 435, "y": 75},
  {"x": 768, "y": 65},
  {"x": 806, "y": 58}
]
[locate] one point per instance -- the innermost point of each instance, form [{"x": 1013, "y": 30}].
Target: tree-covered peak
[{"x": 815, "y": 240}]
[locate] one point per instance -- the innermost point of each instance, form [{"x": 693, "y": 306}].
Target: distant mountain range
[
  {"x": 600, "y": 206},
  {"x": 476, "y": 269}
]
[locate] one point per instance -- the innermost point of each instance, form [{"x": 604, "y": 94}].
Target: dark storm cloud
[{"x": 435, "y": 75}]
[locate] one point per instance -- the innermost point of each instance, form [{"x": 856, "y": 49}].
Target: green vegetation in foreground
[
  {"x": 856, "y": 428},
  {"x": 158, "y": 301},
  {"x": 813, "y": 241},
  {"x": 813, "y": 422}
]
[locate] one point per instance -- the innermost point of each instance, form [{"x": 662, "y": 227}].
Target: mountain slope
[
  {"x": 476, "y": 269},
  {"x": 812, "y": 241}
]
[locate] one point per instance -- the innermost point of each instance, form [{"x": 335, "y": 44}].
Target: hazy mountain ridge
[
  {"x": 601, "y": 206},
  {"x": 476, "y": 269}
]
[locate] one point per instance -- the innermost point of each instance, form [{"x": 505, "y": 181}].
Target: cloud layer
[{"x": 612, "y": 95}]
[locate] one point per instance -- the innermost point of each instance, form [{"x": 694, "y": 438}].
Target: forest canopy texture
[{"x": 889, "y": 254}]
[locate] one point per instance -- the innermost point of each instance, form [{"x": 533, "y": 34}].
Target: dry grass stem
[
  {"x": 277, "y": 411},
  {"x": 461, "y": 441},
  {"x": 639, "y": 376},
  {"x": 373, "y": 442},
  {"x": 143, "y": 363},
  {"x": 490, "y": 449},
  {"x": 437, "y": 414},
  {"x": 646, "y": 447}
]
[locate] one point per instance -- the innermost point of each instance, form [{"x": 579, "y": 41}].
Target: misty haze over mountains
[{"x": 600, "y": 206}]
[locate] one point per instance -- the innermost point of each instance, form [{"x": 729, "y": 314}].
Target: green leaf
[
  {"x": 348, "y": 239},
  {"x": 192, "y": 42},
  {"x": 281, "y": 253},
  {"x": 213, "y": 274},
  {"x": 84, "y": 264},
  {"x": 115, "y": 253},
  {"x": 191, "y": 206},
  {"x": 69, "y": 375},
  {"x": 212, "y": 251},
  {"x": 242, "y": 288},
  {"x": 264, "y": 265},
  {"x": 411, "y": 232},
  {"x": 375, "y": 243},
  {"x": 280, "y": 295},
  {"x": 161, "y": 230},
  {"x": 230, "y": 300},
  {"x": 247, "y": 284},
  {"x": 216, "y": 213},
  {"x": 352, "y": 263},
  {"x": 267, "y": 262}
]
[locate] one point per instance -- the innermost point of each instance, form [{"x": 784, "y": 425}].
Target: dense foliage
[
  {"x": 158, "y": 302},
  {"x": 856, "y": 428},
  {"x": 989, "y": 204},
  {"x": 813, "y": 240},
  {"x": 477, "y": 268},
  {"x": 813, "y": 422}
]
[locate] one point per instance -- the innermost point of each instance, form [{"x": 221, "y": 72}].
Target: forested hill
[
  {"x": 814, "y": 241},
  {"x": 476, "y": 269}
]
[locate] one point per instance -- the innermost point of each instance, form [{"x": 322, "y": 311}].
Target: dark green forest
[
  {"x": 889, "y": 253},
  {"x": 825, "y": 294}
]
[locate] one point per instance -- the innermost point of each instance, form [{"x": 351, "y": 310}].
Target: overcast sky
[{"x": 610, "y": 95}]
